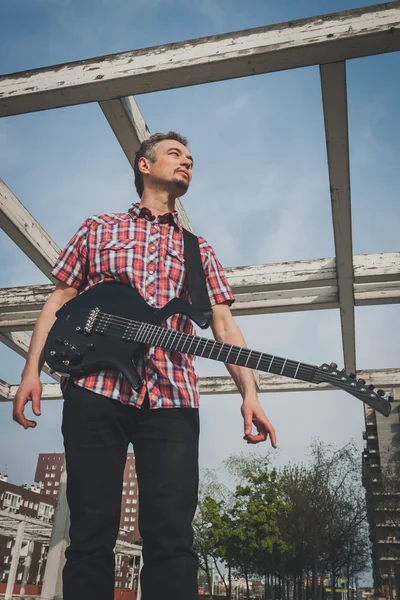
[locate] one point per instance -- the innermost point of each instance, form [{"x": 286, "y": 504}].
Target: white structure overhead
[{"x": 317, "y": 40}]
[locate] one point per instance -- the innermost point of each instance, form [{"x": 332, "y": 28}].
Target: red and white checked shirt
[{"x": 145, "y": 252}]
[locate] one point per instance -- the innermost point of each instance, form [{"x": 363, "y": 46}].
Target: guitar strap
[{"x": 195, "y": 274}]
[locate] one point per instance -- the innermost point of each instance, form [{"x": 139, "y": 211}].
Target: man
[{"x": 102, "y": 414}]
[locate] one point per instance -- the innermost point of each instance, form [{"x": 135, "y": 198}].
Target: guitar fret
[
  {"x": 220, "y": 350},
  {"x": 258, "y": 361},
  {"x": 205, "y": 345},
  {"x": 269, "y": 366},
  {"x": 295, "y": 374},
  {"x": 245, "y": 364},
  {"x": 283, "y": 366},
  {"x": 195, "y": 350},
  {"x": 240, "y": 349},
  {"x": 211, "y": 351}
]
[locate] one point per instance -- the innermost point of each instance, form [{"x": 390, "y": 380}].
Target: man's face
[{"x": 172, "y": 168}]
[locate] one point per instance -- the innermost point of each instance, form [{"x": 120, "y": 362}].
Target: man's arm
[
  {"x": 31, "y": 387},
  {"x": 225, "y": 330}
]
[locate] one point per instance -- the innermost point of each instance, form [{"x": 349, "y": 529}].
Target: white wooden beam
[
  {"x": 320, "y": 272},
  {"x": 4, "y": 391},
  {"x": 334, "y": 96},
  {"x": 387, "y": 378},
  {"x": 26, "y": 232},
  {"x": 259, "y": 289},
  {"x": 130, "y": 129},
  {"x": 19, "y": 342},
  {"x": 322, "y": 39}
]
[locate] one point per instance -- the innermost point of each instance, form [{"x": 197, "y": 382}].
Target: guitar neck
[{"x": 172, "y": 339}]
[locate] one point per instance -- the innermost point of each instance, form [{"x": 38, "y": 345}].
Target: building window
[
  {"x": 124, "y": 484},
  {"x": 128, "y": 501},
  {"x": 12, "y": 500},
  {"x": 9, "y": 544},
  {"x": 30, "y": 504},
  {"x": 127, "y": 510},
  {"x": 57, "y": 483},
  {"x": 124, "y": 493},
  {"x": 47, "y": 475},
  {"x": 131, "y": 492}
]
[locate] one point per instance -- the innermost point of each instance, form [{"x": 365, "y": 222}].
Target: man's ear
[{"x": 143, "y": 164}]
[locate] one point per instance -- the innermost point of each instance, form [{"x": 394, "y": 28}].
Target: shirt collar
[{"x": 137, "y": 210}]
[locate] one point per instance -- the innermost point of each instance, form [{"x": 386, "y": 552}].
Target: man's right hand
[{"x": 30, "y": 389}]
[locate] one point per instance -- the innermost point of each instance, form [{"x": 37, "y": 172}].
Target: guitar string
[
  {"x": 117, "y": 329},
  {"x": 151, "y": 329},
  {"x": 117, "y": 322},
  {"x": 118, "y": 325}
]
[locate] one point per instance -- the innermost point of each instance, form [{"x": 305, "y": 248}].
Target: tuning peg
[
  {"x": 361, "y": 381},
  {"x": 371, "y": 387},
  {"x": 352, "y": 375},
  {"x": 333, "y": 365},
  {"x": 381, "y": 392}
]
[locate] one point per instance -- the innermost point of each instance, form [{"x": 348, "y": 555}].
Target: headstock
[{"x": 377, "y": 399}]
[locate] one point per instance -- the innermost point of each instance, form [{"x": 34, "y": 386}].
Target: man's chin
[{"x": 183, "y": 186}]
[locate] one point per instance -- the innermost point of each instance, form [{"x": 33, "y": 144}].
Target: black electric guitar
[{"x": 106, "y": 327}]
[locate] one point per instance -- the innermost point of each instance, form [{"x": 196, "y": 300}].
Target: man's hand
[
  {"x": 30, "y": 389},
  {"x": 253, "y": 413}
]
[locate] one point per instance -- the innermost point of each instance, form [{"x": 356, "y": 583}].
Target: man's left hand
[{"x": 253, "y": 414}]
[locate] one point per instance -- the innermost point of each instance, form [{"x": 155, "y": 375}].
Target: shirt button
[{"x": 151, "y": 271}]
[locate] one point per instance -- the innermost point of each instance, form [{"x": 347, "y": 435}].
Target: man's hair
[{"x": 148, "y": 150}]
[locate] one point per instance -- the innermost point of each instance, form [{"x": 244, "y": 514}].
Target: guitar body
[
  {"x": 91, "y": 352},
  {"x": 77, "y": 346}
]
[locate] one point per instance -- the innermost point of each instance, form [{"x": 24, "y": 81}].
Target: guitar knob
[
  {"x": 371, "y": 386},
  {"x": 352, "y": 375},
  {"x": 361, "y": 381},
  {"x": 333, "y": 365},
  {"x": 381, "y": 392}
]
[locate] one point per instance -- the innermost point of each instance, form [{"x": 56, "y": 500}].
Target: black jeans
[{"x": 97, "y": 431}]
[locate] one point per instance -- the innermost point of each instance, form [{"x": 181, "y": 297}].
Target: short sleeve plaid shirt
[{"x": 145, "y": 252}]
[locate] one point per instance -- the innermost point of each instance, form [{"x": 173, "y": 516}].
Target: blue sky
[{"x": 260, "y": 192}]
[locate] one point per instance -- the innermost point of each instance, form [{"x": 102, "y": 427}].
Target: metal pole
[
  {"x": 52, "y": 580},
  {"x": 15, "y": 560},
  {"x": 27, "y": 565},
  {"x": 139, "y": 587}
]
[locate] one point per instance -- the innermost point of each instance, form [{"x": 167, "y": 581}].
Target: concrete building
[
  {"x": 30, "y": 502},
  {"x": 382, "y": 435},
  {"x": 48, "y": 475}
]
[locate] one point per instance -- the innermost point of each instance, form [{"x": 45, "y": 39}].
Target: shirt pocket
[
  {"x": 119, "y": 259},
  {"x": 175, "y": 267}
]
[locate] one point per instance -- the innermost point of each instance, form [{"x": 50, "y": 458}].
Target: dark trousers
[{"x": 97, "y": 431}]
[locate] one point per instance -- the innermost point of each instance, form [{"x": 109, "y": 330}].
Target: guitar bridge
[{"x": 90, "y": 321}]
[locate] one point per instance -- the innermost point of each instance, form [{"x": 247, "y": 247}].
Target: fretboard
[{"x": 172, "y": 339}]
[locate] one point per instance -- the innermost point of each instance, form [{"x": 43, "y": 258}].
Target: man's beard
[{"x": 182, "y": 185}]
